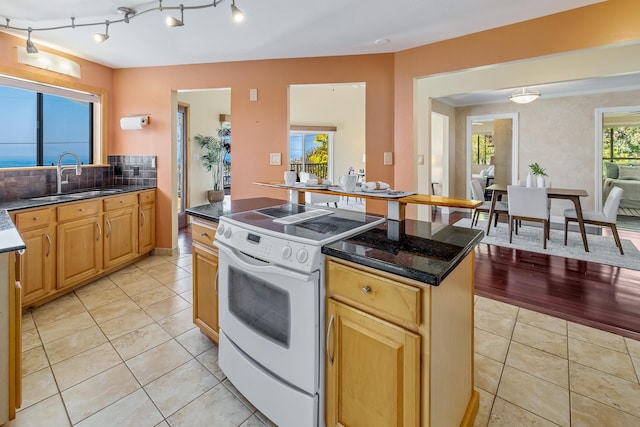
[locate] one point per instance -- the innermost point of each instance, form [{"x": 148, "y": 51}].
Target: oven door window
[{"x": 261, "y": 306}]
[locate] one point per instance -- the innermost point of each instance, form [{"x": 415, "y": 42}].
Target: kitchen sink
[{"x": 75, "y": 196}]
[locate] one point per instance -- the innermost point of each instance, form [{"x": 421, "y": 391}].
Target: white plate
[
  {"x": 386, "y": 190},
  {"x": 318, "y": 187}
]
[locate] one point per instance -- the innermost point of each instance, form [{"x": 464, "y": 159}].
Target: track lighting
[
  {"x": 524, "y": 96},
  {"x": 173, "y": 22},
  {"x": 31, "y": 48},
  {"x": 236, "y": 14},
  {"x": 100, "y": 37},
  {"x": 129, "y": 14}
]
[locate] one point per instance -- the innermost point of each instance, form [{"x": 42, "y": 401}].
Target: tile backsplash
[{"x": 22, "y": 184}]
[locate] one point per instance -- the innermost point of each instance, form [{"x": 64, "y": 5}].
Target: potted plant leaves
[{"x": 215, "y": 148}]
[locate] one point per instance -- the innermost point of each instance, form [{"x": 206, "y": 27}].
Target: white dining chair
[
  {"x": 312, "y": 198},
  {"x": 528, "y": 204},
  {"x": 605, "y": 218},
  {"x": 478, "y": 194}
]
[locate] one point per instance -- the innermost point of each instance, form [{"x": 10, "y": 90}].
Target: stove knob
[
  {"x": 286, "y": 252},
  {"x": 227, "y": 233},
  {"x": 302, "y": 256},
  {"x": 221, "y": 229}
]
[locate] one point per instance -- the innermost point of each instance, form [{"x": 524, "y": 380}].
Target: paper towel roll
[{"x": 133, "y": 123}]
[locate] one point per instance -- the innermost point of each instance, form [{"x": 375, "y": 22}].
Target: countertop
[
  {"x": 30, "y": 203},
  {"x": 426, "y": 252},
  {"x": 213, "y": 211},
  {"x": 10, "y": 239}
]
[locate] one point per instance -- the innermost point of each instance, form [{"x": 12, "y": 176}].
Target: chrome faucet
[{"x": 61, "y": 168}]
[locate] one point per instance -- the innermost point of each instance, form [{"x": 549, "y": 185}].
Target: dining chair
[
  {"x": 477, "y": 194},
  {"x": 528, "y": 204},
  {"x": 604, "y": 218}
]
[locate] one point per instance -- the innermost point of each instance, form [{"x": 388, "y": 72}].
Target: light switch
[
  {"x": 388, "y": 158},
  {"x": 274, "y": 159},
  {"x": 253, "y": 94},
  {"x": 421, "y": 159}
]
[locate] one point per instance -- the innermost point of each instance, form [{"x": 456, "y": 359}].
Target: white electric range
[{"x": 271, "y": 305}]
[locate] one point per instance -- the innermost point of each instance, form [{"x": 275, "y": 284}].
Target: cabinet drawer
[
  {"x": 384, "y": 295},
  {"x": 119, "y": 202},
  {"x": 203, "y": 233},
  {"x": 78, "y": 210},
  {"x": 34, "y": 219},
  {"x": 147, "y": 197}
]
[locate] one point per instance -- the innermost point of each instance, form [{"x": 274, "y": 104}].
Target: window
[
  {"x": 66, "y": 119},
  {"x": 309, "y": 151},
  {"x": 621, "y": 144},
  {"x": 482, "y": 149}
]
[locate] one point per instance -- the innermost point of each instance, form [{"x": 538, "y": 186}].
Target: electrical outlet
[
  {"x": 275, "y": 159},
  {"x": 136, "y": 170}
]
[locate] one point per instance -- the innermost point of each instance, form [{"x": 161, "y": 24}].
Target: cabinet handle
[
  {"x": 328, "y": 341},
  {"x": 48, "y": 244},
  {"x": 366, "y": 290},
  {"x": 99, "y": 231},
  {"x": 109, "y": 229},
  {"x": 215, "y": 282},
  {"x": 20, "y": 251},
  {"x": 204, "y": 234},
  {"x": 35, "y": 218},
  {"x": 141, "y": 218},
  {"x": 81, "y": 209}
]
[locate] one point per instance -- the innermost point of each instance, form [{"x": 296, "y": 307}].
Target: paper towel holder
[{"x": 135, "y": 121}]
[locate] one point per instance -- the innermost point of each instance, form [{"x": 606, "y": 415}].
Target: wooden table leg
[
  {"x": 494, "y": 197},
  {"x": 576, "y": 204}
]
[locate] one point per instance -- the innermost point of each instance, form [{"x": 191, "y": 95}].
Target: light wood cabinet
[
  {"x": 120, "y": 229},
  {"x": 146, "y": 222},
  {"x": 399, "y": 352},
  {"x": 38, "y": 231},
  {"x": 205, "y": 277},
  {"x": 372, "y": 370},
  {"x": 79, "y": 250}
]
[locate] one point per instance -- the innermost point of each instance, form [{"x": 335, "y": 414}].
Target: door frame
[{"x": 184, "y": 199}]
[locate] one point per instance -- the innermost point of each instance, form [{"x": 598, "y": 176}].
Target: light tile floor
[{"x": 123, "y": 351}]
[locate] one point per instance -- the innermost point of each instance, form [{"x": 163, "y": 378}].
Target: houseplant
[
  {"x": 539, "y": 172},
  {"x": 215, "y": 148}
]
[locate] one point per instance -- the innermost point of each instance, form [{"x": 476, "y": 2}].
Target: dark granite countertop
[
  {"x": 213, "y": 212},
  {"x": 425, "y": 252},
  {"x": 10, "y": 239},
  {"x": 30, "y": 203}
]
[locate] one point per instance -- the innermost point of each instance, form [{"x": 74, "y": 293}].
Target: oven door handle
[{"x": 257, "y": 266}]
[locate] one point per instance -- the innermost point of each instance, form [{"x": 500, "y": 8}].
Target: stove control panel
[{"x": 276, "y": 250}]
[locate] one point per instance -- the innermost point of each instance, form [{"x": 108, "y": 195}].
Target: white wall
[
  {"x": 205, "y": 107},
  {"x": 340, "y": 105}
]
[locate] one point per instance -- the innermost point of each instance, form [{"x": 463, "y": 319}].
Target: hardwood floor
[{"x": 597, "y": 295}]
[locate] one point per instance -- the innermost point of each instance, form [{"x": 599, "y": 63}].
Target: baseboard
[{"x": 165, "y": 251}]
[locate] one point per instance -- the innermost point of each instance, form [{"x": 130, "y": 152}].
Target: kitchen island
[
  {"x": 10, "y": 315},
  {"x": 399, "y": 322}
]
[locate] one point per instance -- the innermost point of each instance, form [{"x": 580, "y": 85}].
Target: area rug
[{"x": 602, "y": 249}]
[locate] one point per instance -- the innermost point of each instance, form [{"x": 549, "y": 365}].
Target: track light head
[
  {"x": 236, "y": 13},
  {"x": 31, "y": 48},
  {"x": 175, "y": 22},
  {"x": 101, "y": 37}
]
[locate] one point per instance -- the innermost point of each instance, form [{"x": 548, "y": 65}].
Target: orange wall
[
  {"x": 259, "y": 128},
  {"x": 605, "y": 23}
]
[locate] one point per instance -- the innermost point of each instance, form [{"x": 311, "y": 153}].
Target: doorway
[{"x": 181, "y": 165}]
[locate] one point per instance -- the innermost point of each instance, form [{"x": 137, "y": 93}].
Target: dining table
[{"x": 573, "y": 194}]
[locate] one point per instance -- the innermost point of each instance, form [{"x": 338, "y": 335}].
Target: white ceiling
[{"x": 272, "y": 28}]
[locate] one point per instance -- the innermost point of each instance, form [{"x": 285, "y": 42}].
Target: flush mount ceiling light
[
  {"x": 100, "y": 37},
  {"x": 174, "y": 22},
  {"x": 236, "y": 14},
  {"x": 524, "y": 96},
  {"x": 129, "y": 14}
]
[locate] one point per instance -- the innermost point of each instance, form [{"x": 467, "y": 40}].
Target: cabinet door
[
  {"x": 147, "y": 228},
  {"x": 79, "y": 250},
  {"x": 37, "y": 264},
  {"x": 372, "y": 371},
  {"x": 120, "y": 236},
  {"x": 205, "y": 290}
]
